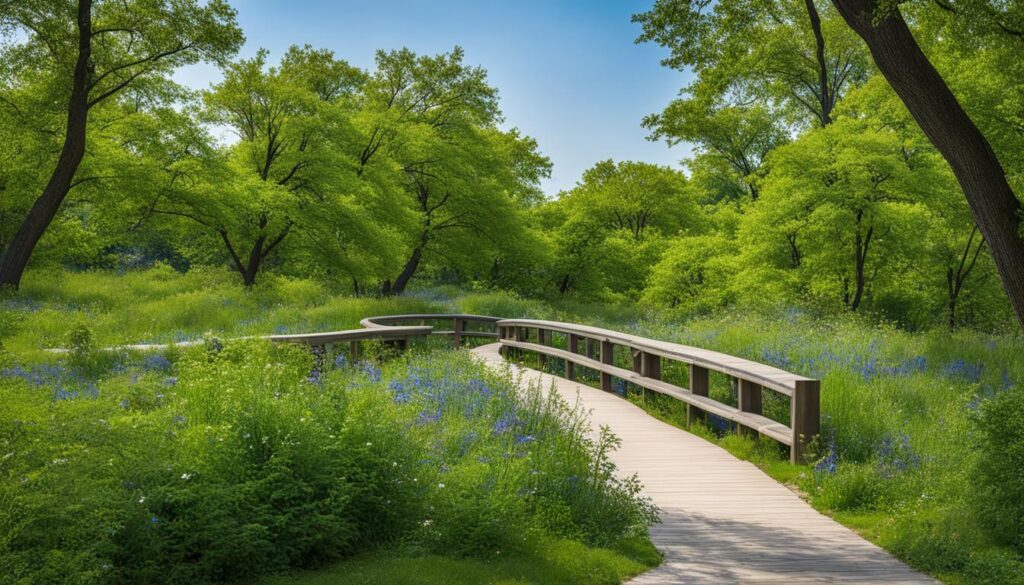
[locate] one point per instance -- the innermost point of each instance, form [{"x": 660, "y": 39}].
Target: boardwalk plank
[{"x": 723, "y": 520}]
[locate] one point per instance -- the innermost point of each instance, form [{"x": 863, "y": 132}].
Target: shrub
[
  {"x": 233, "y": 462},
  {"x": 999, "y": 474}
]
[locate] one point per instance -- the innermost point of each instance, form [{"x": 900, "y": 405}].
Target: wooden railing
[
  {"x": 594, "y": 348},
  {"x": 393, "y": 329}
]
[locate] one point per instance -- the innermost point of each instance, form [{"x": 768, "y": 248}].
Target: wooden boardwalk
[{"x": 723, "y": 520}]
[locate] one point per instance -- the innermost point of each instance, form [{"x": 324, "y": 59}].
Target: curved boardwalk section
[{"x": 723, "y": 520}]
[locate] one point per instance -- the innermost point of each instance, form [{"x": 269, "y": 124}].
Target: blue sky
[{"x": 568, "y": 72}]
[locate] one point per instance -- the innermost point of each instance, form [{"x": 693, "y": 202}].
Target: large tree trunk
[
  {"x": 46, "y": 206},
  {"x": 995, "y": 207},
  {"x": 398, "y": 287}
]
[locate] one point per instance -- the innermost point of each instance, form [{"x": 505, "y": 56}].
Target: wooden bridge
[{"x": 722, "y": 520}]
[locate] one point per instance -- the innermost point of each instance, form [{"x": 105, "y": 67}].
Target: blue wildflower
[
  {"x": 156, "y": 363},
  {"x": 505, "y": 422},
  {"x": 370, "y": 370}
]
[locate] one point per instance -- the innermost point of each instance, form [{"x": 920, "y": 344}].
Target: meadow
[
  {"x": 234, "y": 459},
  {"x": 130, "y": 467}
]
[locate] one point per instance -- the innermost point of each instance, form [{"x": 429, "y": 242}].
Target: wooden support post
[
  {"x": 805, "y": 417},
  {"x": 457, "y": 332},
  {"x": 353, "y": 351},
  {"x": 542, "y": 337},
  {"x": 607, "y": 357},
  {"x": 570, "y": 367},
  {"x": 638, "y": 360},
  {"x": 699, "y": 386},
  {"x": 651, "y": 366},
  {"x": 749, "y": 401}
]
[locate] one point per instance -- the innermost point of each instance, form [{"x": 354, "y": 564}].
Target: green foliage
[
  {"x": 1000, "y": 468},
  {"x": 548, "y": 562},
  {"x": 229, "y": 459}
]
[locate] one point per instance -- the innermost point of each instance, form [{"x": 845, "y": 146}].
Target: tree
[
  {"x": 842, "y": 202},
  {"x": 781, "y": 54},
  {"x": 734, "y": 137},
  {"x": 995, "y": 207},
  {"x": 465, "y": 181},
  {"x": 112, "y": 48},
  {"x": 291, "y": 172},
  {"x": 613, "y": 225}
]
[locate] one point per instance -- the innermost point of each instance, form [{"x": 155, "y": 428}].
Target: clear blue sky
[{"x": 568, "y": 72}]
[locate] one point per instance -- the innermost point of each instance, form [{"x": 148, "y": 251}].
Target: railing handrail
[
  {"x": 763, "y": 374},
  {"x": 803, "y": 393},
  {"x": 353, "y": 334}
]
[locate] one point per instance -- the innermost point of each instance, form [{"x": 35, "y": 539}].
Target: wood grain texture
[{"x": 722, "y": 520}]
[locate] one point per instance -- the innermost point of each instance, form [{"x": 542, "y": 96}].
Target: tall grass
[
  {"x": 229, "y": 460},
  {"x": 161, "y": 306}
]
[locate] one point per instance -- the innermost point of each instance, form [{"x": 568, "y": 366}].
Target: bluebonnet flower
[
  {"x": 124, "y": 403},
  {"x": 340, "y": 361},
  {"x": 963, "y": 370},
  {"x": 896, "y": 454},
  {"x": 314, "y": 377},
  {"x": 426, "y": 417},
  {"x": 61, "y": 393},
  {"x": 156, "y": 363},
  {"x": 523, "y": 439},
  {"x": 371, "y": 371},
  {"x": 505, "y": 422},
  {"x": 830, "y": 462},
  {"x": 1006, "y": 381},
  {"x": 179, "y": 419},
  {"x": 479, "y": 387},
  {"x": 280, "y": 329},
  {"x": 399, "y": 394},
  {"x": 170, "y": 381}
]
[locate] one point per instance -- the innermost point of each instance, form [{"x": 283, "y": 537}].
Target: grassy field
[
  {"x": 921, "y": 449},
  {"x": 231, "y": 460}
]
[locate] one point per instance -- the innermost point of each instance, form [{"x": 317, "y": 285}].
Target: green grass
[
  {"x": 230, "y": 461},
  {"x": 900, "y": 409},
  {"x": 160, "y": 306},
  {"x": 556, "y": 562}
]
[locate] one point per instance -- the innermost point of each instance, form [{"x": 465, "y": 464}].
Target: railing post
[
  {"x": 651, "y": 366},
  {"x": 749, "y": 401},
  {"x": 607, "y": 351},
  {"x": 699, "y": 386},
  {"x": 542, "y": 360},
  {"x": 805, "y": 417},
  {"x": 353, "y": 351},
  {"x": 457, "y": 333},
  {"x": 570, "y": 366}
]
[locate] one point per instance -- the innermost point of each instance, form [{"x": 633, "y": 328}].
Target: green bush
[
  {"x": 227, "y": 464},
  {"x": 999, "y": 473}
]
